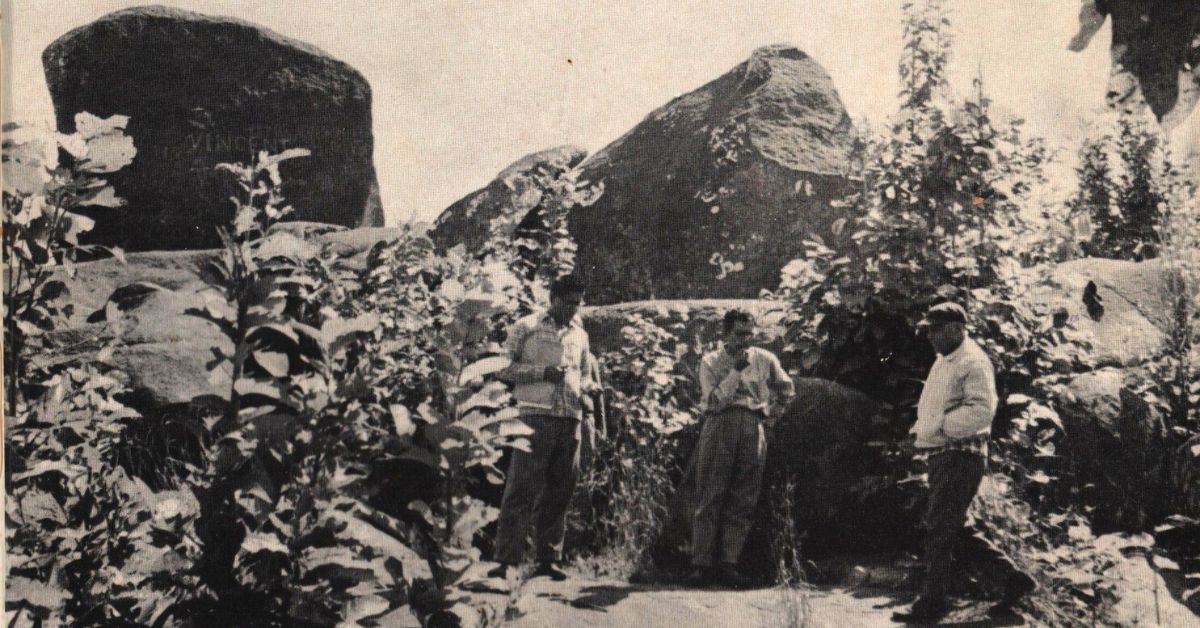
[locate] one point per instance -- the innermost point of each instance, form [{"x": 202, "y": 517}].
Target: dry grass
[{"x": 794, "y": 589}]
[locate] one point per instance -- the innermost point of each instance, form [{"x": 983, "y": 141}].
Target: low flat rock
[
  {"x": 595, "y": 603},
  {"x": 1132, "y": 326}
]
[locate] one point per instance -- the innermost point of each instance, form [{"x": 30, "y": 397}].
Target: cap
[{"x": 944, "y": 313}]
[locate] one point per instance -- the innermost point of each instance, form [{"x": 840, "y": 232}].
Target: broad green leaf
[
  {"x": 67, "y": 469},
  {"x": 262, "y": 542},
  {"x": 35, "y": 593},
  {"x": 36, "y": 505},
  {"x": 272, "y": 362},
  {"x": 108, "y": 153},
  {"x": 402, "y": 420},
  {"x": 483, "y": 367},
  {"x": 89, "y": 126}
]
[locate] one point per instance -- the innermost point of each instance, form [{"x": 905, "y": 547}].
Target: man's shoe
[
  {"x": 923, "y": 611},
  {"x": 547, "y": 568},
  {"x": 500, "y": 572},
  {"x": 728, "y": 577},
  {"x": 701, "y": 577},
  {"x": 1018, "y": 586}
]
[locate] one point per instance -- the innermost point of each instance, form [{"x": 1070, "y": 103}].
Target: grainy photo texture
[{"x": 788, "y": 313}]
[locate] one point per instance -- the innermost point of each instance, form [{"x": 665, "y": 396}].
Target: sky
[{"x": 462, "y": 89}]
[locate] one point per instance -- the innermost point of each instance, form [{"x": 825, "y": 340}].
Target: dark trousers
[
  {"x": 954, "y": 477},
  {"x": 540, "y": 480},
  {"x": 729, "y": 471}
]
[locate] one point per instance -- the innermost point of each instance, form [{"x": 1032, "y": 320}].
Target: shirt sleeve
[
  {"x": 978, "y": 405},
  {"x": 589, "y": 367},
  {"x": 717, "y": 391},
  {"x": 519, "y": 372},
  {"x": 780, "y": 378},
  {"x": 929, "y": 434}
]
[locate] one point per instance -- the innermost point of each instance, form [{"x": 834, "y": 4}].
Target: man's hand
[
  {"x": 554, "y": 374},
  {"x": 743, "y": 360}
]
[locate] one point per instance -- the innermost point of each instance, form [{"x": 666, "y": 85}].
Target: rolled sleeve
[{"x": 780, "y": 378}]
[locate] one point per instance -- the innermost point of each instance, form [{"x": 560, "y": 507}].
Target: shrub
[
  {"x": 627, "y": 494},
  {"x": 48, "y": 179}
]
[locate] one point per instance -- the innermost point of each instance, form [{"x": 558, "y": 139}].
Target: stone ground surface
[{"x": 588, "y": 602}]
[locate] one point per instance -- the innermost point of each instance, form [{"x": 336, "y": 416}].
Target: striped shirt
[{"x": 536, "y": 342}]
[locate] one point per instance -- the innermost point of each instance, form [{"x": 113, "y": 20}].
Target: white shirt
[
  {"x": 722, "y": 386},
  {"x": 959, "y": 398}
]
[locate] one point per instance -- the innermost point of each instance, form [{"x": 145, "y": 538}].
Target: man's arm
[
  {"x": 929, "y": 434},
  {"x": 781, "y": 382},
  {"x": 978, "y": 404},
  {"x": 716, "y": 391},
  {"x": 517, "y": 372}
]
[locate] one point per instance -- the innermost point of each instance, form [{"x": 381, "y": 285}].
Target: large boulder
[
  {"x": 712, "y": 193},
  {"x": 1155, "y": 53},
  {"x": 1125, "y": 319},
  {"x": 467, "y": 220},
  {"x": 709, "y": 196},
  {"x": 203, "y": 90},
  {"x": 162, "y": 351},
  {"x": 1119, "y": 446}
]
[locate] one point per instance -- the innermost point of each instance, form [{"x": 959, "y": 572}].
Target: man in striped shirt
[
  {"x": 954, "y": 423},
  {"x": 550, "y": 374}
]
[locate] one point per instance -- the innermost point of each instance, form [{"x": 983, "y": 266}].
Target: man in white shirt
[
  {"x": 737, "y": 383},
  {"x": 954, "y": 423}
]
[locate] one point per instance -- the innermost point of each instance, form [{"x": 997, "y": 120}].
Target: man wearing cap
[
  {"x": 738, "y": 383},
  {"x": 954, "y": 422}
]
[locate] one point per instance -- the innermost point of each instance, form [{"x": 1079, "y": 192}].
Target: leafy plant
[
  {"x": 48, "y": 178},
  {"x": 628, "y": 492}
]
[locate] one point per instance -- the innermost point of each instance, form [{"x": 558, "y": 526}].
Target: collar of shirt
[
  {"x": 576, "y": 321},
  {"x": 958, "y": 352}
]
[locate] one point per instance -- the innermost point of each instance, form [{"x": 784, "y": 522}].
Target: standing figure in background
[
  {"x": 954, "y": 424},
  {"x": 550, "y": 375},
  {"x": 737, "y": 382}
]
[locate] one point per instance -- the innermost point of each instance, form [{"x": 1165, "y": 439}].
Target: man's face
[
  {"x": 738, "y": 339},
  {"x": 945, "y": 336},
  {"x": 564, "y": 307}
]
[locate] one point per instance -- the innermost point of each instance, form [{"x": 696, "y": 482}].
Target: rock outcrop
[
  {"x": 694, "y": 321},
  {"x": 161, "y": 351},
  {"x": 466, "y": 221},
  {"x": 1155, "y": 53},
  {"x": 711, "y": 194},
  {"x": 203, "y": 90},
  {"x": 1126, "y": 317},
  {"x": 1120, "y": 447}
]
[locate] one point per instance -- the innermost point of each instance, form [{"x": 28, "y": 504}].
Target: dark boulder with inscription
[{"x": 202, "y": 90}]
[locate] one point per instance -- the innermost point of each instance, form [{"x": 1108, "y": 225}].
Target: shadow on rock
[{"x": 595, "y": 598}]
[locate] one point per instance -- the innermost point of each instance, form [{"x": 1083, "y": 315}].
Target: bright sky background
[{"x": 462, "y": 89}]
